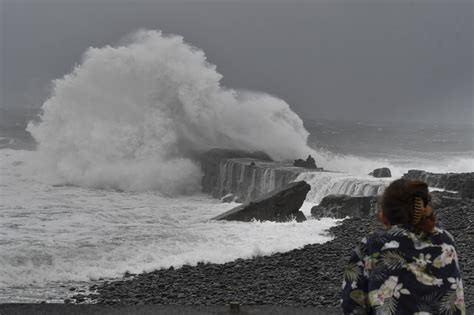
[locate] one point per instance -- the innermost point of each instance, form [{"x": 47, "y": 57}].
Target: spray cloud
[{"x": 132, "y": 117}]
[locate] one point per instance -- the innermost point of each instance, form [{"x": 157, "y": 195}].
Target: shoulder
[
  {"x": 443, "y": 236},
  {"x": 445, "y": 233}
]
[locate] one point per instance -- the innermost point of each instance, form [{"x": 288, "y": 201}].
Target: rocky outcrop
[
  {"x": 309, "y": 163},
  {"x": 341, "y": 206},
  {"x": 448, "y": 181},
  {"x": 279, "y": 205},
  {"x": 381, "y": 172}
]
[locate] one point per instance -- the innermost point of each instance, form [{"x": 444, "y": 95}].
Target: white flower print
[
  {"x": 369, "y": 263},
  {"x": 423, "y": 260},
  {"x": 417, "y": 242},
  {"x": 391, "y": 244},
  {"x": 448, "y": 254},
  {"x": 419, "y": 271},
  {"x": 390, "y": 288}
]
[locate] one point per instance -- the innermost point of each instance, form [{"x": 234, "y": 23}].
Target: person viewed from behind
[{"x": 409, "y": 268}]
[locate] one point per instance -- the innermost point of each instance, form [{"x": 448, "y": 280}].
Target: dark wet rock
[
  {"x": 299, "y": 163},
  {"x": 448, "y": 181},
  {"x": 309, "y": 163},
  {"x": 341, "y": 206},
  {"x": 79, "y": 298},
  {"x": 381, "y": 172},
  {"x": 300, "y": 217},
  {"x": 279, "y": 205}
]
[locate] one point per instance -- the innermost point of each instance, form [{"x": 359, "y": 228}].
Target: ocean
[
  {"x": 429, "y": 146},
  {"x": 105, "y": 181}
]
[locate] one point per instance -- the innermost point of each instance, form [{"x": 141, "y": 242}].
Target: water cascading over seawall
[
  {"x": 243, "y": 177},
  {"x": 247, "y": 179},
  {"x": 331, "y": 183}
]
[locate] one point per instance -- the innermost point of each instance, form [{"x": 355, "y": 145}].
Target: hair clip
[{"x": 418, "y": 210}]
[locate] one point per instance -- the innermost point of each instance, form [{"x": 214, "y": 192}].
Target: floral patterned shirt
[{"x": 399, "y": 272}]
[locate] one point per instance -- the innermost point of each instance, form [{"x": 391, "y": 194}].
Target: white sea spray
[{"x": 133, "y": 117}]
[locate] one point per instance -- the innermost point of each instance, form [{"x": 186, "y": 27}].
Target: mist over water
[{"x": 132, "y": 117}]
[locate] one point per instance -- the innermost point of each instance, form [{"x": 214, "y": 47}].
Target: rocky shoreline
[{"x": 310, "y": 276}]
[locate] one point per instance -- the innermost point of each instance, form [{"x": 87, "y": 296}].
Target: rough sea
[{"x": 53, "y": 237}]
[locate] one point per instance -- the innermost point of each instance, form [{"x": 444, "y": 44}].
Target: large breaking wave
[{"x": 133, "y": 116}]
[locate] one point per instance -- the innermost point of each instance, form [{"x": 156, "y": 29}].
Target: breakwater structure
[
  {"x": 233, "y": 175},
  {"x": 243, "y": 176}
]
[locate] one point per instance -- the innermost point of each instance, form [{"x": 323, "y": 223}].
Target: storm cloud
[{"x": 357, "y": 60}]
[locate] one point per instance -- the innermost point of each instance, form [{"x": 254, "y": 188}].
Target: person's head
[{"x": 408, "y": 202}]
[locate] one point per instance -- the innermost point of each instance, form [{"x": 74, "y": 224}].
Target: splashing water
[
  {"x": 325, "y": 183},
  {"x": 56, "y": 237},
  {"x": 132, "y": 117}
]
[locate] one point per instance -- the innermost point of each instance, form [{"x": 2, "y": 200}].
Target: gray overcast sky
[{"x": 352, "y": 59}]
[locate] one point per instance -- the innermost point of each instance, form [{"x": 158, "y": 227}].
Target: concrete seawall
[{"x": 245, "y": 176}]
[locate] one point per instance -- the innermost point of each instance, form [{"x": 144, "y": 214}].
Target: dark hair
[{"x": 398, "y": 202}]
